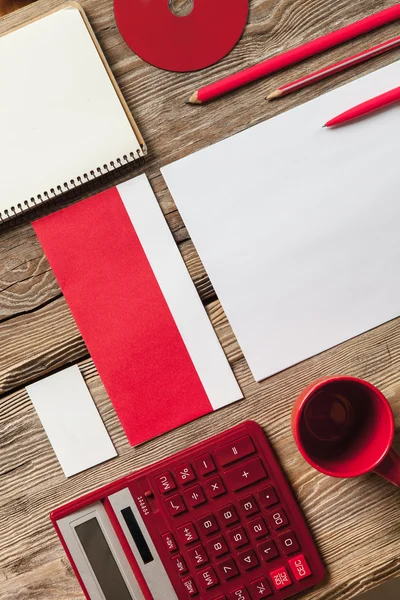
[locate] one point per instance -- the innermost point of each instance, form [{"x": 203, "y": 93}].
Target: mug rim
[{"x": 298, "y": 410}]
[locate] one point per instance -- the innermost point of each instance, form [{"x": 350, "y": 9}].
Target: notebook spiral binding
[{"x": 74, "y": 187}]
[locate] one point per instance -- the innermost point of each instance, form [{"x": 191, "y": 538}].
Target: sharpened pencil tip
[{"x": 274, "y": 95}]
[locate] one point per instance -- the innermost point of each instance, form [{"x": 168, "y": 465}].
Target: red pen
[{"x": 366, "y": 107}]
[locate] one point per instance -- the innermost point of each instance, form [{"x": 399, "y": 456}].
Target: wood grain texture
[{"x": 355, "y": 523}]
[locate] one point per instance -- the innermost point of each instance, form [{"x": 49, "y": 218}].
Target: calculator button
[
  {"x": 189, "y": 586},
  {"x": 184, "y": 474},
  {"x": 239, "y": 594},
  {"x": 245, "y": 474},
  {"x": 169, "y": 542},
  {"x": 208, "y": 524},
  {"x": 257, "y": 528},
  {"x": 195, "y": 496},
  {"x": 267, "y": 496},
  {"x": 217, "y": 546},
  {"x": 188, "y": 533},
  {"x": 214, "y": 487},
  {"x": 175, "y": 505},
  {"x": 197, "y": 555},
  {"x": 208, "y": 578},
  {"x": 288, "y": 542},
  {"x": 227, "y": 569},
  {"x": 205, "y": 464},
  {"x": 299, "y": 567},
  {"x": 234, "y": 451},
  {"x": 165, "y": 483},
  {"x": 228, "y": 515},
  {"x": 220, "y": 598},
  {"x": 237, "y": 537},
  {"x": 268, "y": 550},
  {"x": 277, "y": 518},
  {"x": 180, "y": 564},
  {"x": 247, "y": 560},
  {"x": 280, "y": 578},
  {"x": 259, "y": 588},
  {"x": 247, "y": 506}
]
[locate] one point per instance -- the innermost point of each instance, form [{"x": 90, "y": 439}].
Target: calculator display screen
[
  {"x": 137, "y": 535},
  {"x": 102, "y": 560}
]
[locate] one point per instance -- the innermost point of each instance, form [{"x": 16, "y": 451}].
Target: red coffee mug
[{"x": 344, "y": 427}]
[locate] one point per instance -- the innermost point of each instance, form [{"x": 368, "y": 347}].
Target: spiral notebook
[{"x": 64, "y": 119}]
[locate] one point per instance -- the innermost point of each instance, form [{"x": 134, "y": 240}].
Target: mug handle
[{"x": 389, "y": 468}]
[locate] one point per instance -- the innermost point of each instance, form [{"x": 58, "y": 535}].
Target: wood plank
[{"x": 352, "y": 521}]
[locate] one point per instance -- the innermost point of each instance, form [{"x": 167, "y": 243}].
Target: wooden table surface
[{"x": 356, "y": 523}]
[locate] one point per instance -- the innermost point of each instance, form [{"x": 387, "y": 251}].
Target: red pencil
[
  {"x": 296, "y": 55},
  {"x": 347, "y": 63},
  {"x": 366, "y": 107}
]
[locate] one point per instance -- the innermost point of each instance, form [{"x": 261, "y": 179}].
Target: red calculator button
[
  {"x": 227, "y": 569},
  {"x": 185, "y": 474},
  {"x": 175, "y": 505},
  {"x": 189, "y": 586},
  {"x": 208, "y": 578},
  {"x": 169, "y": 542},
  {"x": 165, "y": 483},
  {"x": 234, "y": 451},
  {"x": 180, "y": 564},
  {"x": 267, "y": 496},
  {"x": 205, "y": 464},
  {"x": 228, "y": 515},
  {"x": 237, "y": 537},
  {"x": 245, "y": 474},
  {"x": 239, "y": 594},
  {"x": 188, "y": 533},
  {"x": 197, "y": 555},
  {"x": 195, "y": 496},
  {"x": 247, "y": 506},
  {"x": 277, "y": 518},
  {"x": 214, "y": 487},
  {"x": 268, "y": 550},
  {"x": 257, "y": 528},
  {"x": 220, "y": 598},
  {"x": 299, "y": 567},
  {"x": 280, "y": 578},
  {"x": 217, "y": 546},
  {"x": 248, "y": 560},
  {"x": 288, "y": 542},
  {"x": 260, "y": 588},
  {"x": 208, "y": 524}
]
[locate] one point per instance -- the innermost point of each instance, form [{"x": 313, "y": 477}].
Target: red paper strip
[{"x": 122, "y": 315}]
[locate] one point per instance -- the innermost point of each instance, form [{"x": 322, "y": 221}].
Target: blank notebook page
[
  {"x": 298, "y": 226},
  {"x": 60, "y": 114}
]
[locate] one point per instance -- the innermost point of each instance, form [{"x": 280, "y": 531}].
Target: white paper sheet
[
  {"x": 180, "y": 294},
  {"x": 71, "y": 421},
  {"x": 60, "y": 114},
  {"x": 298, "y": 226}
]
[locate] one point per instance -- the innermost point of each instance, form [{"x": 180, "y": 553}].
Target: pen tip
[{"x": 323, "y": 126}]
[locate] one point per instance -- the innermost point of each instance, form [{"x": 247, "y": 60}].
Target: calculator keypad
[{"x": 232, "y": 532}]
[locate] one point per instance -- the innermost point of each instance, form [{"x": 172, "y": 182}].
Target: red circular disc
[{"x": 187, "y": 43}]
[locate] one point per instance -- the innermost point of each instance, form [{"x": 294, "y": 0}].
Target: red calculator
[{"x": 217, "y": 521}]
